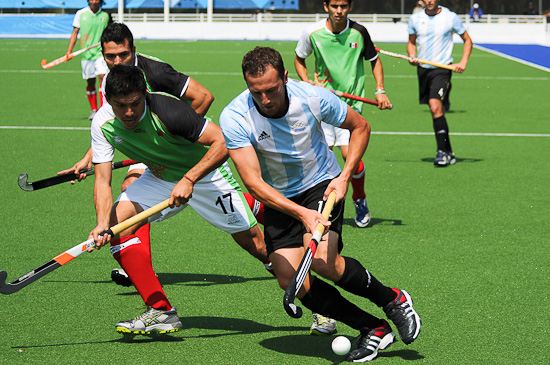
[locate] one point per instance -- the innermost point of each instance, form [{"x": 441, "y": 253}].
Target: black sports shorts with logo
[
  {"x": 282, "y": 230},
  {"x": 433, "y": 83}
]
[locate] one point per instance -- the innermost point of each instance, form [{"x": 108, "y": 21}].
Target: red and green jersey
[
  {"x": 91, "y": 27},
  {"x": 339, "y": 57},
  {"x": 164, "y": 139}
]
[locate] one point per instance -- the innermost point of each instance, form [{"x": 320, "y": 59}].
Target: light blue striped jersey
[
  {"x": 292, "y": 150},
  {"x": 435, "y": 35}
]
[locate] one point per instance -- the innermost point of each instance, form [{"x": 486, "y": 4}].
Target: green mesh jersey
[
  {"x": 163, "y": 139},
  {"x": 339, "y": 57},
  {"x": 91, "y": 27}
]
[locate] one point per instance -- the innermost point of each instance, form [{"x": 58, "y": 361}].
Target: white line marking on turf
[
  {"x": 381, "y": 133},
  {"x": 504, "y": 55},
  {"x": 40, "y": 128}
]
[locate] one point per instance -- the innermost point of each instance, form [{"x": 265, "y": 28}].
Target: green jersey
[
  {"x": 164, "y": 139},
  {"x": 339, "y": 57},
  {"x": 91, "y": 27}
]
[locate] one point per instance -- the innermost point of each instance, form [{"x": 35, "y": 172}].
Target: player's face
[
  {"x": 338, "y": 10},
  {"x": 95, "y": 5},
  {"x": 269, "y": 93},
  {"x": 116, "y": 54},
  {"x": 128, "y": 109},
  {"x": 431, "y": 4}
]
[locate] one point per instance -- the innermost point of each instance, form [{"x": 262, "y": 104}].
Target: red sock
[
  {"x": 92, "y": 97},
  {"x": 358, "y": 182},
  {"x": 100, "y": 99},
  {"x": 256, "y": 207},
  {"x": 135, "y": 258}
]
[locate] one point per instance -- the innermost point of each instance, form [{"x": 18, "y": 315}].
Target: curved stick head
[
  {"x": 291, "y": 308},
  {"x": 23, "y": 183},
  {"x": 5, "y": 288},
  {"x": 43, "y": 63}
]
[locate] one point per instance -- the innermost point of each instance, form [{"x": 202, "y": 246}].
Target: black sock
[
  {"x": 359, "y": 281},
  {"x": 325, "y": 299},
  {"x": 441, "y": 130}
]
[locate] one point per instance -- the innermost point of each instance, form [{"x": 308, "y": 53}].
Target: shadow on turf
[
  {"x": 313, "y": 346},
  {"x": 186, "y": 279},
  {"x": 458, "y": 160},
  {"x": 375, "y": 221},
  {"x": 123, "y": 339},
  {"x": 225, "y": 327},
  {"x": 231, "y": 326}
]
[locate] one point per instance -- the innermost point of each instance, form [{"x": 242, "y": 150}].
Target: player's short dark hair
[
  {"x": 328, "y": 2},
  {"x": 118, "y": 33},
  {"x": 256, "y": 62},
  {"x": 124, "y": 80}
]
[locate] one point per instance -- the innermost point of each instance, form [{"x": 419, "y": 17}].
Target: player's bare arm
[
  {"x": 103, "y": 201},
  {"x": 217, "y": 154},
  {"x": 411, "y": 50},
  {"x": 201, "y": 99},
  {"x": 359, "y": 139},
  {"x": 84, "y": 163},
  {"x": 248, "y": 167},
  {"x": 72, "y": 40},
  {"x": 468, "y": 44},
  {"x": 301, "y": 69},
  {"x": 378, "y": 73}
]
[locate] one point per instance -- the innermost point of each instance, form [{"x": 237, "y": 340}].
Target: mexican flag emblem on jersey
[{"x": 353, "y": 45}]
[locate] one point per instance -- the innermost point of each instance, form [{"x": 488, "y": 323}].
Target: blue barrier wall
[
  {"x": 137, "y": 4},
  {"x": 36, "y": 24}
]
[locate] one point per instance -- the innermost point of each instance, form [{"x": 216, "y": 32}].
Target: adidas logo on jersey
[{"x": 263, "y": 136}]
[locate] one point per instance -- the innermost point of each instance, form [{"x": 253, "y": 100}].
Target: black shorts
[
  {"x": 433, "y": 83},
  {"x": 282, "y": 230}
]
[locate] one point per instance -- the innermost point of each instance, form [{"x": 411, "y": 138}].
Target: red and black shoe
[{"x": 404, "y": 317}]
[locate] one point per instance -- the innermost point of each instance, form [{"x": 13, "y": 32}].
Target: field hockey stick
[
  {"x": 66, "y": 57},
  {"x": 402, "y": 56},
  {"x": 298, "y": 279},
  {"x": 58, "y": 179},
  {"x": 358, "y": 98},
  {"x": 72, "y": 253}
]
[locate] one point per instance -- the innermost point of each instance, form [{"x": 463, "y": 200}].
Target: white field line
[
  {"x": 239, "y": 74},
  {"x": 381, "y": 133},
  {"x": 504, "y": 55}
]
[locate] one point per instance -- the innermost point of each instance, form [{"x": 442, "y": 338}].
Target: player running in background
[
  {"x": 340, "y": 45},
  {"x": 273, "y": 133},
  {"x": 432, "y": 32},
  {"x": 185, "y": 155},
  {"x": 90, "y": 22}
]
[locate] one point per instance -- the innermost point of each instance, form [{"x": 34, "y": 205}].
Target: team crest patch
[
  {"x": 353, "y": 45},
  {"x": 118, "y": 139},
  {"x": 233, "y": 219},
  {"x": 299, "y": 126}
]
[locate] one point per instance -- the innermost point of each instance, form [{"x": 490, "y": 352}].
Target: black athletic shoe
[
  {"x": 444, "y": 159},
  {"x": 404, "y": 317},
  {"x": 370, "y": 342},
  {"x": 120, "y": 277}
]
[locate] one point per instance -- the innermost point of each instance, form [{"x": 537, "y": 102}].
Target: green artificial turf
[{"x": 469, "y": 242}]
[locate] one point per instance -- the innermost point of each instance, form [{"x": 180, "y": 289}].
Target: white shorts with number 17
[{"x": 217, "y": 198}]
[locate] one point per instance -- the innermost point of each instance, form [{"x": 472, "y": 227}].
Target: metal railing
[{"x": 292, "y": 18}]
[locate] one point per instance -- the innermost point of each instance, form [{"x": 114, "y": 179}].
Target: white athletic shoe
[
  {"x": 322, "y": 326},
  {"x": 92, "y": 114},
  {"x": 151, "y": 321}
]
